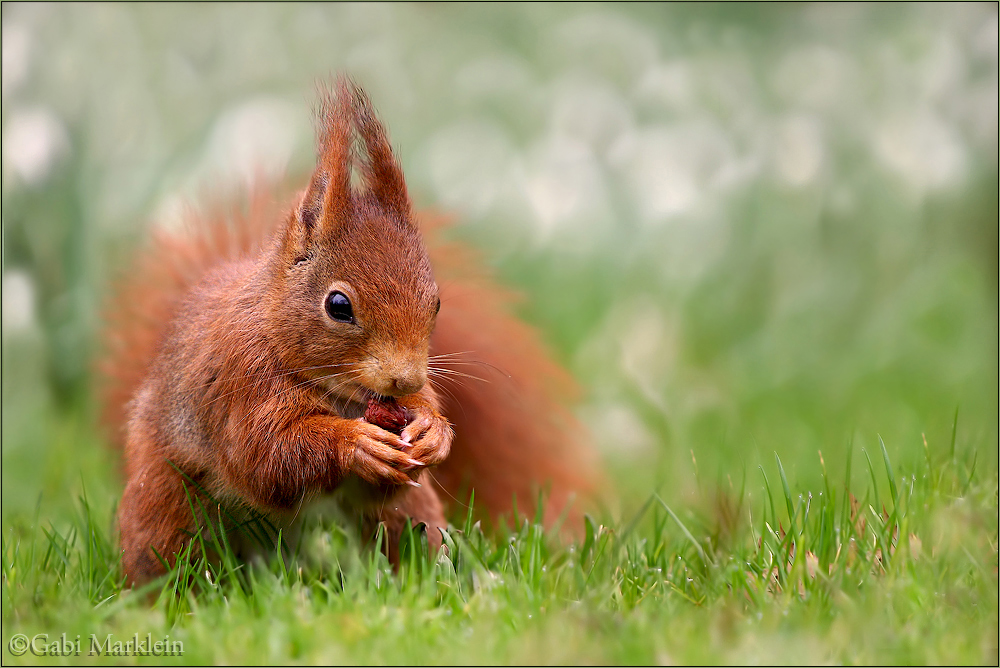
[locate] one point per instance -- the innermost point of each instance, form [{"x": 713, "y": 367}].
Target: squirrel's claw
[
  {"x": 379, "y": 458},
  {"x": 430, "y": 435}
]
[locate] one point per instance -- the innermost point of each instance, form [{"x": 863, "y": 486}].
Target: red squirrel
[{"x": 240, "y": 360}]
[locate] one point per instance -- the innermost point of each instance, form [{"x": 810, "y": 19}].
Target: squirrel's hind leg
[
  {"x": 414, "y": 505},
  {"x": 155, "y": 513}
]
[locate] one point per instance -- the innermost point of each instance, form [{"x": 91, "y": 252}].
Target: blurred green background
[{"x": 747, "y": 229}]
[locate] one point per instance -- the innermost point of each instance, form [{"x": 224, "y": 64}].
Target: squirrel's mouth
[
  {"x": 349, "y": 408},
  {"x": 350, "y": 400},
  {"x": 353, "y": 402}
]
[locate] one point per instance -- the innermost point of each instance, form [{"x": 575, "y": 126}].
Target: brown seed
[{"x": 386, "y": 413}]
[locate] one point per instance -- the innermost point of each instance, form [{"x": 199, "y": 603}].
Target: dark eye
[
  {"x": 437, "y": 308},
  {"x": 338, "y": 307}
]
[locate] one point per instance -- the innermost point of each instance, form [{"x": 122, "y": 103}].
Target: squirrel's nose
[
  {"x": 408, "y": 383},
  {"x": 395, "y": 375}
]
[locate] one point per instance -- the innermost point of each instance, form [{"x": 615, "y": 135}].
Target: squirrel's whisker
[
  {"x": 456, "y": 374},
  {"x": 477, "y": 363},
  {"x": 268, "y": 378},
  {"x": 261, "y": 375}
]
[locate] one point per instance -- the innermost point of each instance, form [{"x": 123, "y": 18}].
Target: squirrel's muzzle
[{"x": 395, "y": 375}]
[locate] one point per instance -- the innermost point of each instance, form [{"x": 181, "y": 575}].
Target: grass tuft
[{"x": 830, "y": 571}]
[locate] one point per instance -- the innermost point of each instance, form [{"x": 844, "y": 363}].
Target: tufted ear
[
  {"x": 379, "y": 168},
  {"x": 327, "y": 200},
  {"x": 343, "y": 110}
]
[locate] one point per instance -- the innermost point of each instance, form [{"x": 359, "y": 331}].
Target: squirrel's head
[{"x": 357, "y": 301}]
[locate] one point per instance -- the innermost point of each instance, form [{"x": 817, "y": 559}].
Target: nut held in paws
[{"x": 386, "y": 413}]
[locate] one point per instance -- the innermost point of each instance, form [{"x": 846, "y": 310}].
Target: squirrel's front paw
[
  {"x": 428, "y": 434},
  {"x": 380, "y": 457}
]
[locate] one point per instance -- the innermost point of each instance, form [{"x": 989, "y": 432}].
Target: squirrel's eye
[
  {"x": 437, "y": 307},
  {"x": 338, "y": 307}
]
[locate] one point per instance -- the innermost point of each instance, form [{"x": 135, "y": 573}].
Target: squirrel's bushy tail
[
  {"x": 515, "y": 436},
  {"x": 506, "y": 397}
]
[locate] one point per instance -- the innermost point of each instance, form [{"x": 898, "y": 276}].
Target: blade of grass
[
  {"x": 770, "y": 499},
  {"x": 635, "y": 519},
  {"x": 972, "y": 472},
  {"x": 690, "y": 537},
  {"x": 888, "y": 468},
  {"x": 871, "y": 473},
  {"x": 602, "y": 542},
  {"x": 467, "y": 527},
  {"x": 788, "y": 494}
]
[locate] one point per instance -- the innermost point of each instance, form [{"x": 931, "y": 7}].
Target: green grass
[{"x": 780, "y": 574}]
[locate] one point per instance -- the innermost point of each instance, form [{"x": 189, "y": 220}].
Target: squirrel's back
[{"x": 146, "y": 296}]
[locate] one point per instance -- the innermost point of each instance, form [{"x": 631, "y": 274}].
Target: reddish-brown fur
[{"x": 219, "y": 354}]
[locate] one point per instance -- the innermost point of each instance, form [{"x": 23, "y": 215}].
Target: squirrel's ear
[
  {"x": 327, "y": 200},
  {"x": 380, "y": 170}
]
